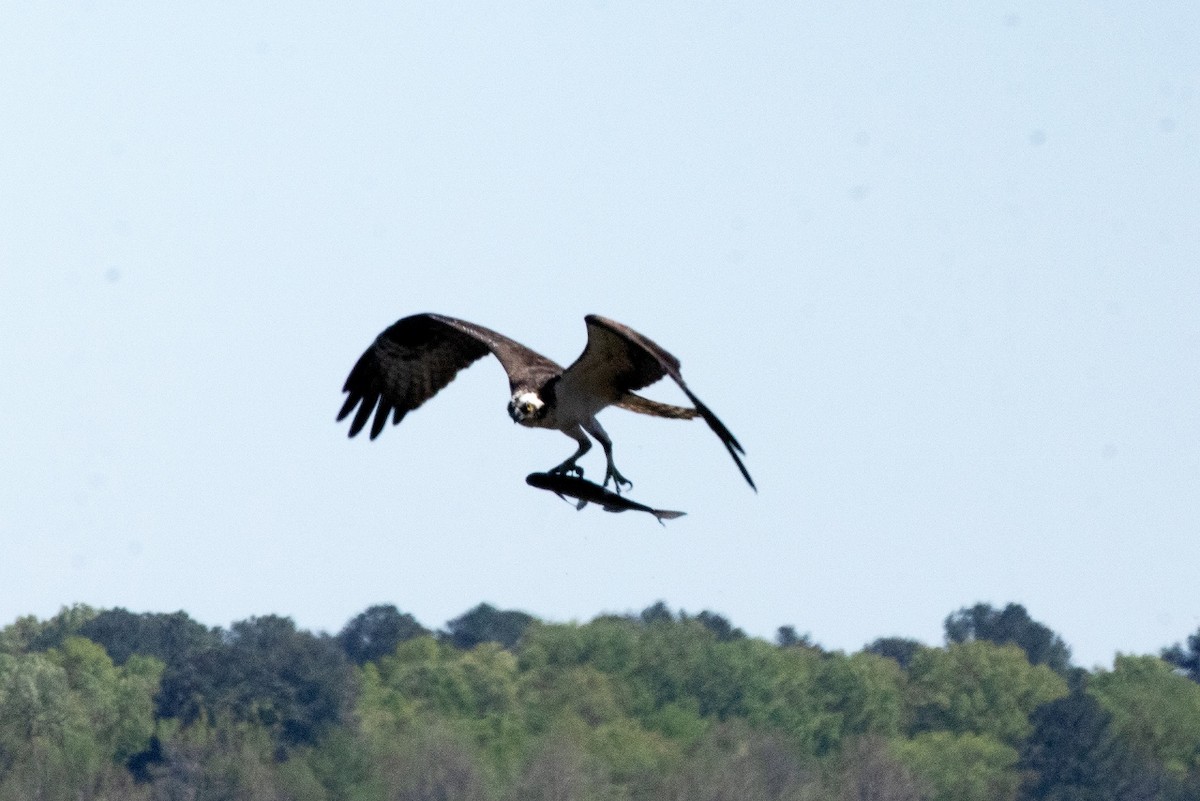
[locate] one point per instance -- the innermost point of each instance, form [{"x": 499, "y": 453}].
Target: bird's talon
[{"x": 620, "y": 483}]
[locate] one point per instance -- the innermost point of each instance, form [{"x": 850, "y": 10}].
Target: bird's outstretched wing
[
  {"x": 415, "y": 358},
  {"x": 618, "y": 360}
]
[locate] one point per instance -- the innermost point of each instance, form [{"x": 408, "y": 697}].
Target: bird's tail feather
[{"x": 636, "y": 403}]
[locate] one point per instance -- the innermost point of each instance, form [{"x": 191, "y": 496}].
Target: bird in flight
[{"x": 412, "y": 360}]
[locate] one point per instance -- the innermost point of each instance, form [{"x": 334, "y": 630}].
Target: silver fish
[{"x": 564, "y": 486}]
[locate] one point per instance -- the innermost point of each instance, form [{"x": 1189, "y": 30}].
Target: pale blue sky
[{"x": 936, "y": 266}]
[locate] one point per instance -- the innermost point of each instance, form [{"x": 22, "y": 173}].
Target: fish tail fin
[{"x": 666, "y": 514}]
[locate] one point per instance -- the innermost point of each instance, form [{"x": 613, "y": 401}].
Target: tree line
[{"x": 498, "y": 705}]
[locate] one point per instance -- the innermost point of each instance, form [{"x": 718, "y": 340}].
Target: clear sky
[{"x": 936, "y": 265}]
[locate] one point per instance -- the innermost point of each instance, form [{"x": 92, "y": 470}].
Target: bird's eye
[{"x": 529, "y": 408}]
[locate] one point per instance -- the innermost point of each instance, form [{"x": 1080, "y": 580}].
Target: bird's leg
[
  {"x": 570, "y": 466},
  {"x": 619, "y": 481}
]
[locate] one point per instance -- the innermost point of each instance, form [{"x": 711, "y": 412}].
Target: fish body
[{"x": 568, "y": 486}]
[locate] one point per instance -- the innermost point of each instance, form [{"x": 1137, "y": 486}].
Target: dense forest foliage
[{"x": 108, "y": 704}]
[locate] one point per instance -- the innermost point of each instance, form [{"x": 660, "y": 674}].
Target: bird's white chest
[{"x": 575, "y": 404}]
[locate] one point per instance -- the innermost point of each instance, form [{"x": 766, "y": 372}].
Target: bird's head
[{"x": 525, "y": 407}]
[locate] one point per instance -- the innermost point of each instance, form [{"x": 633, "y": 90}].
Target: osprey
[{"x": 415, "y": 358}]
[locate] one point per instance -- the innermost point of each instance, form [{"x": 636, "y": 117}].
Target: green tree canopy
[
  {"x": 376, "y": 632},
  {"x": 30, "y": 634},
  {"x": 1073, "y": 754},
  {"x": 788, "y": 637},
  {"x": 1012, "y": 624},
  {"x": 901, "y": 649},
  {"x": 657, "y": 612},
  {"x": 486, "y": 623},
  {"x": 265, "y": 671},
  {"x": 1155, "y": 710},
  {"x": 979, "y": 688},
  {"x": 1186, "y": 657},
  {"x": 961, "y": 767},
  {"x": 69, "y": 718},
  {"x": 170, "y": 638},
  {"x": 654, "y": 705},
  {"x": 720, "y": 626}
]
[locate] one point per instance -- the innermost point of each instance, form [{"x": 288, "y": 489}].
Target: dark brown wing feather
[
  {"x": 618, "y": 360},
  {"x": 415, "y": 358}
]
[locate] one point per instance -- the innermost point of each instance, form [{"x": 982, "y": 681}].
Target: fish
[{"x": 564, "y": 486}]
